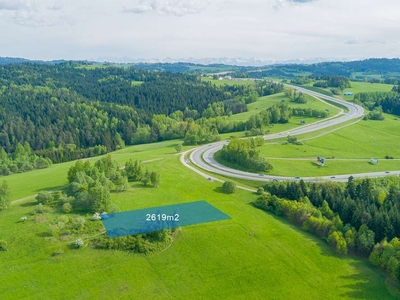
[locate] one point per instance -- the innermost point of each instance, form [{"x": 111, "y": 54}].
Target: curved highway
[{"x": 203, "y": 156}]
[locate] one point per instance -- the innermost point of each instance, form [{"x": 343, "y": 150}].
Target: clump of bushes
[
  {"x": 293, "y": 140},
  {"x": 229, "y": 187},
  {"x": 140, "y": 243},
  {"x": 41, "y": 209}
]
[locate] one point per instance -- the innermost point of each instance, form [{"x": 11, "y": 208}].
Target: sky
[{"x": 276, "y": 30}]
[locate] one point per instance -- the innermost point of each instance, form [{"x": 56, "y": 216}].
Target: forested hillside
[
  {"x": 73, "y": 110},
  {"x": 388, "y": 69}
]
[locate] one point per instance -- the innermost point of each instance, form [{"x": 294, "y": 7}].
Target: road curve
[{"x": 203, "y": 157}]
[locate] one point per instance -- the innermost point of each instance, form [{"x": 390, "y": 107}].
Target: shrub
[
  {"x": 79, "y": 243},
  {"x": 56, "y": 228},
  {"x": 80, "y": 223},
  {"x": 260, "y": 191},
  {"x": 292, "y": 139},
  {"x": 44, "y": 197},
  {"x": 67, "y": 208},
  {"x": 178, "y": 148},
  {"x": 229, "y": 187},
  {"x": 40, "y": 209}
]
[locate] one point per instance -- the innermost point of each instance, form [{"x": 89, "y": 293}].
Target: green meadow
[
  {"x": 348, "y": 150},
  {"x": 265, "y": 102},
  {"x": 364, "y": 139},
  {"x": 268, "y": 101},
  {"x": 30, "y": 183},
  {"x": 219, "y": 82},
  {"x": 356, "y": 87},
  {"x": 363, "y": 87},
  {"x": 311, "y": 168},
  {"x": 252, "y": 255}
]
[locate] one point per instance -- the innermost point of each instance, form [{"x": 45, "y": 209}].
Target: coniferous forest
[{"x": 74, "y": 110}]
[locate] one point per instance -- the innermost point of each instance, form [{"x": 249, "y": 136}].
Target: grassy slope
[
  {"x": 364, "y": 140},
  {"x": 218, "y": 82},
  {"x": 267, "y": 101},
  {"x": 253, "y": 255},
  {"x": 359, "y": 87},
  {"x": 55, "y": 176}
]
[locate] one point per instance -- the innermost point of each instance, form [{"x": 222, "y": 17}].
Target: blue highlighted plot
[{"x": 162, "y": 217}]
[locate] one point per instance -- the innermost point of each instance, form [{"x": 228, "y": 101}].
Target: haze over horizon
[{"x": 271, "y": 30}]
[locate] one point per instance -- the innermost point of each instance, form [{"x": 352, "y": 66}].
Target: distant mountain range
[
  {"x": 379, "y": 68},
  {"x": 235, "y": 61}
]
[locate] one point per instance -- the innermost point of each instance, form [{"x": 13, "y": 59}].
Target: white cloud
[
  {"x": 167, "y": 7},
  {"x": 218, "y": 28},
  {"x": 28, "y": 19},
  {"x": 57, "y": 5},
  {"x": 18, "y": 5},
  {"x": 34, "y": 14}
]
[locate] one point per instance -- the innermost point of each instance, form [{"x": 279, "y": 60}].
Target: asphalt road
[{"x": 203, "y": 157}]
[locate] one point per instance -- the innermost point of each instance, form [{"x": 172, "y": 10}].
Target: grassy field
[
  {"x": 265, "y": 102},
  {"x": 55, "y": 176},
  {"x": 254, "y": 255},
  {"x": 311, "y": 167},
  {"x": 356, "y": 87},
  {"x": 361, "y": 87},
  {"x": 365, "y": 139},
  {"x": 358, "y": 143},
  {"x": 218, "y": 82},
  {"x": 268, "y": 101}
]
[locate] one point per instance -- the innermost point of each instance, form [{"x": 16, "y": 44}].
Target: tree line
[
  {"x": 21, "y": 160},
  {"x": 360, "y": 216},
  {"x": 388, "y": 102},
  {"x": 325, "y": 81}
]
